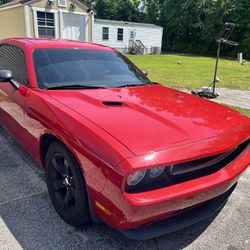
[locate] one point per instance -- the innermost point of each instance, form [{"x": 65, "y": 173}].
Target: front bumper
[
  {"x": 183, "y": 219},
  {"x": 134, "y": 211}
]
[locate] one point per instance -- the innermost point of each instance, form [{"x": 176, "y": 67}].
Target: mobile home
[{"x": 128, "y": 37}]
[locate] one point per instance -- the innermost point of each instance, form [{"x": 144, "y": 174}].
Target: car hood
[{"x": 151, "y": 118}]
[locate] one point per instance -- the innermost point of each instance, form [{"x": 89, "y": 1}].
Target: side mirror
[
  {"x": 144, "y": 72},
  {"x": 6, "y": 76}
]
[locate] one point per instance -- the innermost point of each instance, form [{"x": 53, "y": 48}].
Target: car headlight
[
  {"x": 146, "y": 179},
  {"x": 136, "y": 177},
  {"x": 156, "y": 172}
]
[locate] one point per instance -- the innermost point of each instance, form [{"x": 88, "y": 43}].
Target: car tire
[{"x": 66, "y": 185}]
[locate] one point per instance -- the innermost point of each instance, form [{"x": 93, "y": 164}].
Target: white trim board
[
  {"x": 11, "y": 6},
  {"x": 93, "y": 23},
  {"x": 27, "y": 20},
  {"x": 86, "y": 38},
  {"x": 44, "y": 9},
  {"x": 72, "y": 12}
]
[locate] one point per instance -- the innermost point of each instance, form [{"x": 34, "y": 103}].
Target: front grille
[
  {"x": 191, "y": 170},
  {"x": 205, "y": 166},
  {"x": 196, "y": 165}
]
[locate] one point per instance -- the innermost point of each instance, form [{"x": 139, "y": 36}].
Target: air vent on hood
[{"x": 113, "y": 104}]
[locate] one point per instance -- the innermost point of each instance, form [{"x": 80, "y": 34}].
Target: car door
[{"x": 12, "y": 101}]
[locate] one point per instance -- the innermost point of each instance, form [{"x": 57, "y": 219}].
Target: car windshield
[{"x": 74, "y": 68}]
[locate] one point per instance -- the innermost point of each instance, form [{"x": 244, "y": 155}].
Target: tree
[
  {"x": 127, "y": 10},
  {"x": 151, "y": 10},
  {"x": 3, "y": 1},
  {"x": 240, "y": 14},
  {"x": 192, "y": 26}
]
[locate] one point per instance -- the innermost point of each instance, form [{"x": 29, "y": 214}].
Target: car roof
[{"x": 56, "y": 43}]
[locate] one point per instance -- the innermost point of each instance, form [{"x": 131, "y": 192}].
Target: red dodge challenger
[{"x": 145, "y": 159}]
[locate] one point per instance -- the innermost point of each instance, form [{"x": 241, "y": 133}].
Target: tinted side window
[{"x": 13, "y": 58}]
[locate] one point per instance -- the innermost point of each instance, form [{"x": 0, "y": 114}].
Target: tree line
[
  {"x": 190, "y": 26},
  {"x": 3, "y": 1}
]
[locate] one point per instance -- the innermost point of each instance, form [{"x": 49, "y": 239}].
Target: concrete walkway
[
  {"x": 232, "y": 97},
  {"x": 238, "y": 98}
]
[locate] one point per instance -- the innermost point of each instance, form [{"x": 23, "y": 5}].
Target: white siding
[{"x": 149, "y": 35}]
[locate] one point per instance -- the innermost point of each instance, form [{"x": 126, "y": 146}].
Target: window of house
[
  {"x": 13, "y": 58},
  {"x": 62, "y": 3},
  {"x": 120, "y": 34},
  {"x": 46, "y": 24},
  {"x": 105, "y": 33},
  {"x": 132, "y": 34}
]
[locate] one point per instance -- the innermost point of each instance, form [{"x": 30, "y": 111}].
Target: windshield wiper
[
  {"x": 132, "y": 85},
  {"x": 76, "y": 86}
]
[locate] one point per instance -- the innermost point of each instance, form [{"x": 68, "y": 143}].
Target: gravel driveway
[{"x": 28, "y": 220}]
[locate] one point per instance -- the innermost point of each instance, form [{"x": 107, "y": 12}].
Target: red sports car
[{"x": 116, "y": 147}]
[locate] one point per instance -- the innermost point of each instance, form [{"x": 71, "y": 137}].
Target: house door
[
  {"x": 132, "y": 35},
  {"x": 73, "y": 26}
]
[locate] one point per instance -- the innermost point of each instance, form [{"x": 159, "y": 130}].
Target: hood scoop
[{"x": 113, "y": 104}]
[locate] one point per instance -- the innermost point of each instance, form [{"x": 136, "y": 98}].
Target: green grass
[
  {"x": 243, "y": 111},
  {"x": 194, "y": 71}
]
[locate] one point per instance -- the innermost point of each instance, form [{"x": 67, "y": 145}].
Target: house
[
  {"x": 128, "y": 37},
  {"x": 68, "y": 19}
]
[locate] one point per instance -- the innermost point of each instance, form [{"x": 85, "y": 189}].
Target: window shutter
[{"x": 62, "y": 3}]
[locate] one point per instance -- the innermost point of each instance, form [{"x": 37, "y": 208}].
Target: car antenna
[{"x": 223, "y": 38}]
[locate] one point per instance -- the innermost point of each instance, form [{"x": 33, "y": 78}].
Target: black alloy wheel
[{"x": 66, "y": 185}]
